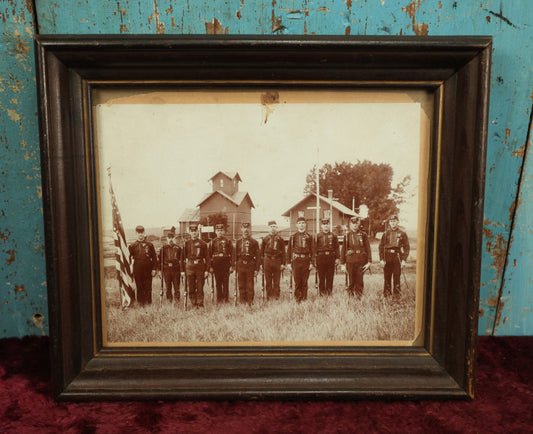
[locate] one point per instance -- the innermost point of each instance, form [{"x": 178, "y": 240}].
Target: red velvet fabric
[{"x": 504, "y": 403}]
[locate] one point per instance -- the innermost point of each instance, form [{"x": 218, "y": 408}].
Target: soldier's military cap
[
  {"x": 325, "y": 221},
  {"x": 393, "y": 217},
  {"x": 300, "y": 219},
  {"x": 193, "y": 227},
  {"x": 272, "y": 222},
  {"x": 171, "y": 234},
  {"x": 139, "y": 229},
  {"x": 245, "y": 225},
  {"x": 219, "y": 226},
  {"x": 355, "y": 219}
]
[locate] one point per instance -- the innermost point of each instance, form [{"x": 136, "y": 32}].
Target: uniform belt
[
  {"x": 300, "y": 255},
  {"x": 219, "y": 255},
  {"x": 273, "y": 256},
  {"x": 392, "y": 249},
  {"x": 325, "y": 252},
  {"x": 245, "y": 261},
  {"x": 352, "y": 252},
  {"x": 195, "y": 261}
]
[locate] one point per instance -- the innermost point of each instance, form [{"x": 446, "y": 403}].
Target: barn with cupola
[{"x": 226, "y": 198}]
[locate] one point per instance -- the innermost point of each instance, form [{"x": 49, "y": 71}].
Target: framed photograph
[{"x": 252, "y": 217}]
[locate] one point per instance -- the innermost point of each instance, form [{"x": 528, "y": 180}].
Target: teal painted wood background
[{"x": 507, "y": 271}]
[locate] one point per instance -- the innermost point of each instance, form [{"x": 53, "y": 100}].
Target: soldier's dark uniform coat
[
  {"x": 355, "y": 254},
  {"x": 393, "y": 248},
  {"x": 273, "y": 257},
  {"x": 301, "y": 253},
  {"x": 195, "y": 257},
  {"x": 221, "y": 255},
  {"x": 247, "y": 263},
  {"x": 327, "y": 251},
  {"x": 170, "y": 258},
  {"x": 144, "y": 261}
]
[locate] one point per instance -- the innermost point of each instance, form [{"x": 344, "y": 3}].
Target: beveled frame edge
[{"x": 443, "y": 368}]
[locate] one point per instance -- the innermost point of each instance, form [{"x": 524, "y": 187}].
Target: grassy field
[{"x": 336, "y": 318}]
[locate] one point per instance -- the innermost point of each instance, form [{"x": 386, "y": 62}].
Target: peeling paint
[
  {"x": 21, "y": 289},
  {"x": 215, "y": 28},
  {"x": 11, "y": 258},
  {"x": 519, "y": 152},
  {"x": 497, "y": 250}
]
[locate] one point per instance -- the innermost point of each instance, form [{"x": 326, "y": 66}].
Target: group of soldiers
[{"x": 197, "y": 259}]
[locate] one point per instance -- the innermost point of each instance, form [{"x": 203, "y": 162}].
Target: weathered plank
[
  {"x": 511, "y": 91},
  {"x": 23, "y": 302},
  {"x": 515, "y": 307}
]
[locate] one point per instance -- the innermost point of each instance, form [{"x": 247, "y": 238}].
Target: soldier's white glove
[
  {"x": 154, "y": 273},
  {"x": 382, "y": 262},
  {"x": 403, "y": 264},
  {"x": 366, "y": 266},
  {"x": 289, "y": 267},
  {"x": 343, "y": 268},
  {"x": 183, "y": 273}
]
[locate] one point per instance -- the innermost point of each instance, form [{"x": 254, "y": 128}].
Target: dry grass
[{"x": 335, "y": 318}]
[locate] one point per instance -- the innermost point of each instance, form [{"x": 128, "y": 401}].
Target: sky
[{"x": 164, "y": 147}]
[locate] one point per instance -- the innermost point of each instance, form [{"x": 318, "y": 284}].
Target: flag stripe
[{"x": 122, "y": 257}]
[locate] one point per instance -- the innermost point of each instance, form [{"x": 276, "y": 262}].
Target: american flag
[{"x": 122, "y": 261}]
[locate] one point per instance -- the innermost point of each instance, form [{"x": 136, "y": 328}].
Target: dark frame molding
[{"x": 456, "y": 69}]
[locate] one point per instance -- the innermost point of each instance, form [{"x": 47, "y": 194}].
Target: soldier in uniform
[
  {"x": 327, "y": 257},
  {"x": 170, "y": 258},
  {"x": 221, "y": 255},
  {"x": 145, "y": 266},
  {"x": 195, "y": 258},
  {"x": 301, "y": 253},
  {"x": 356, "y": 256},
  {"x": 393, "y": 252},
  {"x": 273, "y": 260},
  {"x": 247, "y": 262}
]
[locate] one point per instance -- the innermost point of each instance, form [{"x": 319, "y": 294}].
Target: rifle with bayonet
[
  {"x": 162, "y": 277},
  {"x": 263, "y": 282},
  {"x": 212, "y": 288}
]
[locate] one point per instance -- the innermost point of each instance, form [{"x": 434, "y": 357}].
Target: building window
[{"x": 221, "y": 182}]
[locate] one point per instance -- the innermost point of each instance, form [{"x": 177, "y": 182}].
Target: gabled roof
[
  {"x": 337, "y": 205},
  {"x": 230, "y": 175},
  {"x": 190, "y": 215},
  {"x": 238, "y": 198}
]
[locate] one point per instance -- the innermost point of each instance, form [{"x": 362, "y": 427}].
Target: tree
[{"x": 362, "y": 182}]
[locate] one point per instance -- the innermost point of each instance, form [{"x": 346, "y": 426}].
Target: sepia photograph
[{"x": 262, "y": 216}]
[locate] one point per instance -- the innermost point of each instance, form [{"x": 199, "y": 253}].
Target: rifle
[
  {"x": 403, "y": 273},
  {"x": 162, "y": 279},
  {"x": 316, "y": 279},
  {"x": 263, "y": 281},
  {"x": 186, "y": 295},
  {"x": 290, "y": 286},
  {"x": 212, "y": 289}
]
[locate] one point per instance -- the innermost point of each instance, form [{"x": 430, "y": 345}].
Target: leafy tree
[{"x": 363, "y": 182}]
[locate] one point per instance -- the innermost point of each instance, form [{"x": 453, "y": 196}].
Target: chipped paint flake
[{"x": 215, "y": 28}]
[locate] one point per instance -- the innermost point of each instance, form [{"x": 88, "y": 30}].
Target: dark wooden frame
[{"x": 455, "y": 69}]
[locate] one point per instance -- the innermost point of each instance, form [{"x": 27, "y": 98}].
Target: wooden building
[
  {"x": 226, "y": 198},
  {"x": 336, "y": 211}
]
